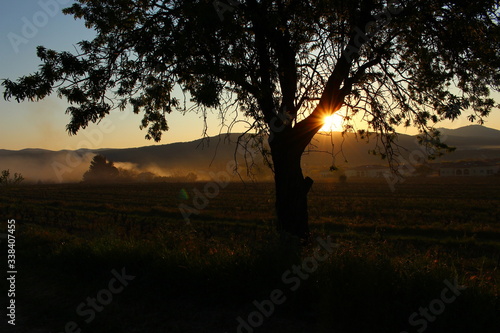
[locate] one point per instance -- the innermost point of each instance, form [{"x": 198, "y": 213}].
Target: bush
[{"x": 7, "y": 180}]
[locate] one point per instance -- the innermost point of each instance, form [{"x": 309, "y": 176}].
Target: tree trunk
[{"x": 291, "y": 188}]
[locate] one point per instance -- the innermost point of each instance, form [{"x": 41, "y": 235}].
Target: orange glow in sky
[{"x": 333, "y": 123}]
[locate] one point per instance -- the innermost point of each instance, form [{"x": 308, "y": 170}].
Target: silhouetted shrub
[
  {"x": 7, "y": 180},
  {"x": 101, "y": 170}
]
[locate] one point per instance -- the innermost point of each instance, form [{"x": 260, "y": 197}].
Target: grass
[{"x": 395, "y": 252}]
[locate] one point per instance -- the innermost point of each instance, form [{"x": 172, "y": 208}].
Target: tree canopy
[{"x": 405, "y": 62}]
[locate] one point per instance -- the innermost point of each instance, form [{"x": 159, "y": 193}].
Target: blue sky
[{"x": 25, "y": 24}]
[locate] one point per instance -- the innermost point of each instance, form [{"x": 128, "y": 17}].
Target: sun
[{"x": 332, "y": 123}]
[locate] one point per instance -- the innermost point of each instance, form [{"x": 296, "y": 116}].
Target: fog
[
  {"x": 46, "y": 166},
  {"x": 136, "y": 168},
  {"x": 42, "y": 166}
]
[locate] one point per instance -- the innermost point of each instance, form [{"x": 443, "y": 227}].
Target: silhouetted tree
[
  {"x": 100, "y": 170},
  {"x": 285, "y": 65}
]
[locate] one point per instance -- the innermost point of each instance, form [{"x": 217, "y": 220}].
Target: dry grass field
[{"x": 425, "y": 257}]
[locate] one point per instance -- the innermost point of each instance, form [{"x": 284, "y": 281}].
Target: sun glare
[{"x": 332, "y": 123}]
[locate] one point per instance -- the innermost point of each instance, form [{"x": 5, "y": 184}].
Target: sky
[{"x": 25, "y": 24}]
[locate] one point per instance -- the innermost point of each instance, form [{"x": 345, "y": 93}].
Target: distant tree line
[{"x": 102, "y": 170}]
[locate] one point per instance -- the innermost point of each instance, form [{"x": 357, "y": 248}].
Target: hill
[
  {"x": 216, "y": 154},
  {"x": 472, "y": 131}
]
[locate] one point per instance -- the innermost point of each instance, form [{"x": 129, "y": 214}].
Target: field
[{"x": 122, "y": 258}]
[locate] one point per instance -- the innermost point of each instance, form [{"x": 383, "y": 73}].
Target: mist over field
[{"x": 204, "y": 156}]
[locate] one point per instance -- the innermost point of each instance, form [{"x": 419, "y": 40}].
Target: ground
[{"x": 394, "y": 254}]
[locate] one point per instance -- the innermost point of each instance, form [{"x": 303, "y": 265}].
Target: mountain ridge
[
  {"x": 471, "y": 131},
  {"x": 206, "y": 155}
]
